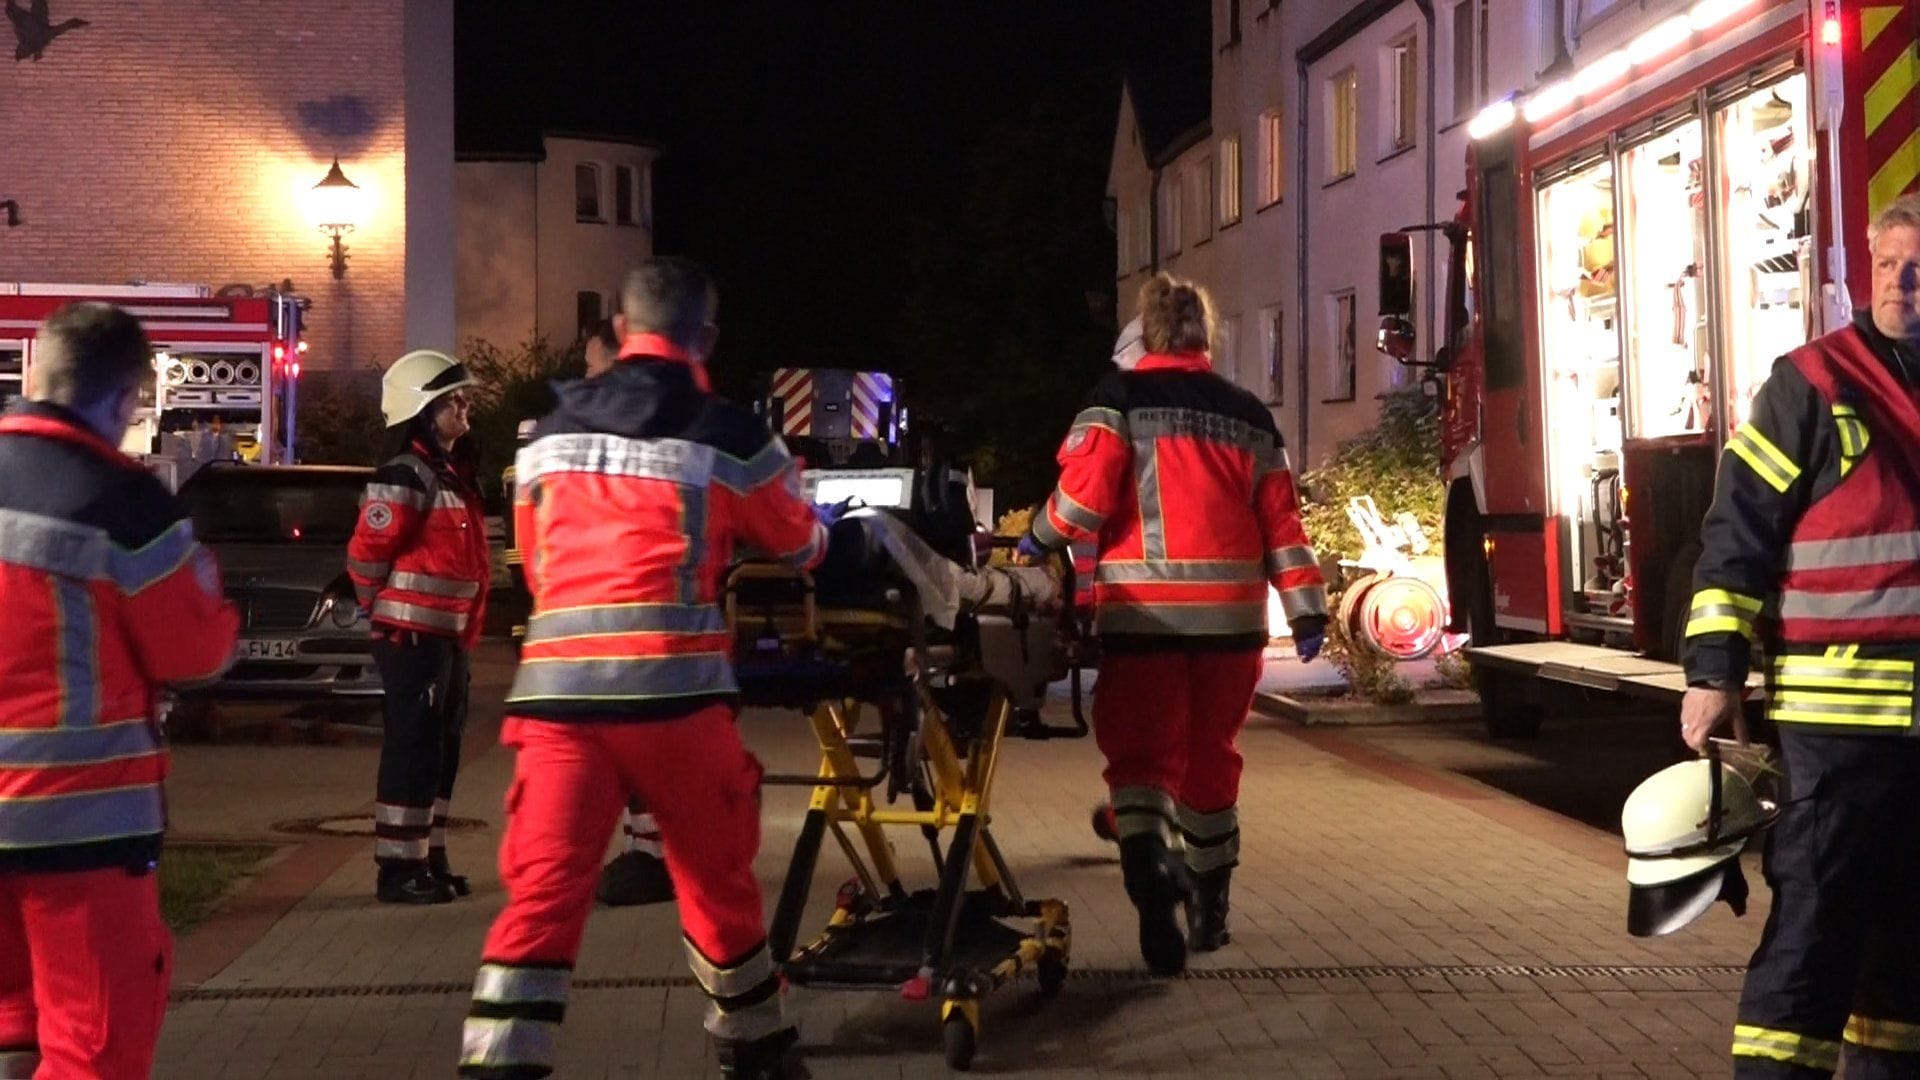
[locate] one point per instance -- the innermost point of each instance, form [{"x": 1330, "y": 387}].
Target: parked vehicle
[{"x": 280, "y": 533}]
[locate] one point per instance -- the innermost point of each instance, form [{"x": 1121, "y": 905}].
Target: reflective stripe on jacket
[
  {"x": 418, "y": 557},
  {"x": 1182, "y": 478},
  {"x": 629, "y": 503},
  {"x": 107, "y": 596}
]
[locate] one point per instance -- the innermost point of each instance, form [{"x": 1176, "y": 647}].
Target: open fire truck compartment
[
  {"x": 1635, "y": 247},
  {"x": 226, "y": 367}
]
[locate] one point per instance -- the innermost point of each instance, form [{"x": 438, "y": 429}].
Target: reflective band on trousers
[
  {"x": 1785, "y": 1046},
  {"x": 22, "y": 748},
  {"x": 1894, "y": 1036},
  {"x": 1895, "y": 602},
  {"x": 18, "y": 1064},
  {"x": 453, "y": 622},
  {"x": 1183, "y": 618},
  {"x": 745, "y": 975},
  {"x": 430, "y": 585},
  {"x": 403, "y": 816},
  {"x": 501, "y": 1043},
  {"x": 1143, "y": 811},
  {"x": 1212, "y": 839},
  {"x": 505, "y": 984},
  {"x": 403, "y": 850}
]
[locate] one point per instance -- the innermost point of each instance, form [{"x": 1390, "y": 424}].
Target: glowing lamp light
[
  {"x": 1661, "y": 39},
  {"x": 1710, "y": 13},
  {"x": 1602, "y": 72},
  {"x": 302, "y": 347},
  {"x": 279, "y": 352},
  {"x": 1493, "y": 119},
  {"x": 1830, "y": 32},
  {"x": 1549, "y": 101},
  {"x": 336, "y": 204},
  {"x": 296, "y": 369}
]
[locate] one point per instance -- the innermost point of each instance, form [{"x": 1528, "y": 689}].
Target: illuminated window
[
  {"x": 1343, "y": 124},
  {"x": 1273, "y": 178},
  {"x": 1229, "y": 180}
]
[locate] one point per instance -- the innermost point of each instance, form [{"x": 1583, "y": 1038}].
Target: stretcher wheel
[
  {"x": 960, "y": 1040},
  {"x": 1052, "y": 972}
]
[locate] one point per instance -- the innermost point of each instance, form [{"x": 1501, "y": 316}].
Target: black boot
[
  {"x": 1156, "y": 887},
  {"x": 411, "y": 884},
  {"x": 437, "y": 866},
  {"x": 764, "y": 1058},
  {"x": 635, "y": 877},
  {"x": 1207, "y": 912}
]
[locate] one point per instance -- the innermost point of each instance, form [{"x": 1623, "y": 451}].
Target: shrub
[
  {"x": 511, "y": 385},
  {"x": 1454, "y": 670},
  {"x": 339, "y": 417},
  {"x": 1369, "y": 673},
  {"x": 1397, "y": 462}
]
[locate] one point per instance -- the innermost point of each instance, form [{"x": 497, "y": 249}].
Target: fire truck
[
  {"x": 1635, "y": 246},
  {"x": 225, "y": 367}
]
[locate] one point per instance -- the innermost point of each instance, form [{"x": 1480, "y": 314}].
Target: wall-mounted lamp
[
  {"x": 13, "y": 212},
  {"x": 336, "y": 209}
]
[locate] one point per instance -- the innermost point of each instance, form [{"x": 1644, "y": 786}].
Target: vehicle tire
[
  {"x": 1505, "y": 707},
  {"x": 1677, "y": 601},
  {"x": 960, "y": 1041}
]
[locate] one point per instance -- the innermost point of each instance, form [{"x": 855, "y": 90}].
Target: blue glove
[
  {"x": 1030, "y": 549},
  {"x": 826, "y": 515},
  {"x": 1307, "y": 646}
]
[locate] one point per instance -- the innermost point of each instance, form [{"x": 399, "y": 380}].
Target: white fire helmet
[
  {"x": 1685, "y": 827},
  {"x": 415, "y": 380},
  {"x": 1130, "y": 346}
]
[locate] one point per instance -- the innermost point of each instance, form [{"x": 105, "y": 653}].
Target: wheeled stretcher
[{"x": 911, "y": 670}]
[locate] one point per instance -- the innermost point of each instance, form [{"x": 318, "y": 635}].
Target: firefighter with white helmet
[
  {"x": 1685, "y": 827},
  {"x": 1812, "y": 548},
  {"x": 419, "y": 564}
]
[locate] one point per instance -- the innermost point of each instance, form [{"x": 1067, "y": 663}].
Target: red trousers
[
  {"x": 1168, "y": 723},
  {"x": 570, "y": 783},
  {"x": 84, "y": 963}
]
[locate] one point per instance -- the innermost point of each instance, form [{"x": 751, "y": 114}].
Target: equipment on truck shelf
[{"x": 1633, "y": 249}]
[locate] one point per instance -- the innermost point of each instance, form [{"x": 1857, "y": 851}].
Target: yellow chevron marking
[
  {"x": 1873, "y": 20},
  {"x": 1891, "y": 88},
  {"x": 1902, "y": 167}
]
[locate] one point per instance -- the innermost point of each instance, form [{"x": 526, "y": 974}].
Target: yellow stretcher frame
[{"x": 843, "y": 805}]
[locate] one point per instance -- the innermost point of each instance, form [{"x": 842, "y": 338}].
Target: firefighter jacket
[
  {"x": 107, "y": 597},
  {"x": 1182, "y": 478},
  {"x": 630, "y": 501},
  {"x": 1812, "y": 544},
  {"x": 418, "y": 557}
]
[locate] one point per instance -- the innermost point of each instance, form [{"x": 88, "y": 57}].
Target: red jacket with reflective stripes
[
  {"x": 418, "y": 557},
  {"x": 629, "y": 504},
  {"x": 1183, "y": 479},
  {"x": 107, "y": 597}
]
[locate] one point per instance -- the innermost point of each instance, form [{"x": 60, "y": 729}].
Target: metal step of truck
[{"x": 1595, "y": 667}]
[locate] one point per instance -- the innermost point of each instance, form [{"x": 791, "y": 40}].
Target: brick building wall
[{"x": 174, "y": 140}]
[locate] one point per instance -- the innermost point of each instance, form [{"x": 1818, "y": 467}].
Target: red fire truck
[
  {"x": 1635, "y": 247},
  {"x": 226, "y": 367}
]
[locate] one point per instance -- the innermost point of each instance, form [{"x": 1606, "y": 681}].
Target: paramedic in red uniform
[
  {"x": 1183, "y": 479},
  {"x": 631, "y": 500},
  {"x": 1812, "y": 547},
  {"x": 419, "y": 564},
  {"x": 108, "y": 599}
]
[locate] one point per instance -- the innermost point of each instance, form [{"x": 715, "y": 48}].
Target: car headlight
[{"x": 345, "y": 613}]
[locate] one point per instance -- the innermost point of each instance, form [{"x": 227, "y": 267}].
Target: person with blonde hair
[{"x": 1182, "y": 480}]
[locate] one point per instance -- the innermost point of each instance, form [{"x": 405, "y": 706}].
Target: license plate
[{"x": 265, "y": 649}]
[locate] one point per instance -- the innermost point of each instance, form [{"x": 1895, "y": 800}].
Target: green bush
[
  {"x": 1369, "y": 673},
  {"x": 339, "y": 417},
  {"x": 511, "y": 385},
  {"x": 1397, "y": 462}
]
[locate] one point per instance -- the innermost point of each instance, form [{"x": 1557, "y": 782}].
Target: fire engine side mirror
[{"x": 1397, "y": 339}]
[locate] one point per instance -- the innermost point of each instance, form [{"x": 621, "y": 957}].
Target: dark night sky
[{"x": 817, "y": 155}]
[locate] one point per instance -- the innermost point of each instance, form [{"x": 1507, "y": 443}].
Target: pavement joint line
[{"x": 1084, "y": 975}]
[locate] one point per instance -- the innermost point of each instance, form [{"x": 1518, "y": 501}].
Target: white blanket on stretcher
[{"x": 945, "y": 587}]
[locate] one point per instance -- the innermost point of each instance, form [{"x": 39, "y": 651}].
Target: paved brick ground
[{"x": 1354, "y": 862}]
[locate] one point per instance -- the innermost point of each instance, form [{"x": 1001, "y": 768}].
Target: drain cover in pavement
[{"x": 357, "y": 825}]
